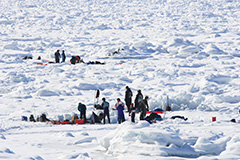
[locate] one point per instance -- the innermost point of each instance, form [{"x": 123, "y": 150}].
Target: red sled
[
  {"x": 79, "y": 121},
  {"x": 59, "y": 122},
  {"x": 62, "y": 122},
  {"x": 158, "y": 112}
]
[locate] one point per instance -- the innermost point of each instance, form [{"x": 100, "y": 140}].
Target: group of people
[
  {"x": 58, "y": 56},
  {"x": 140, "y": 105}
]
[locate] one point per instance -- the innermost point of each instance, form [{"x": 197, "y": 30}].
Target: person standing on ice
[
  {"x": 128, "y": 98},
  {"x": 57, "y": 56},
  {"x": 63, "y": 56},
  {"x": 105, "y": 106},
  {"x": 138, "y": 99},
  {"x": 120, "y": 107},
  {"x": 82, "y": 109},
  {"x": 143, "y": 108}
]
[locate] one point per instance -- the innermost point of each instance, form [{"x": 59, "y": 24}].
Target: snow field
[{"x": 187, "y": 50}]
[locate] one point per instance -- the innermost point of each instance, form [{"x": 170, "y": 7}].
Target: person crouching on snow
[{"x": 120, "y": 107}]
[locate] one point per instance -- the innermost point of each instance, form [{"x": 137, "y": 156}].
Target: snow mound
[
  {"x": 219, "y": 79},
  {"x": 46, "y": 93},
  {"x": 65, "y": 134},
  {"x": 85, "y": 140},
  {"x": 207, "y": 146},
  {"x": 2, "y": 136},
  {"x": 77, "y": 156},
  {"x": 213, "y": 50},
  {"x": 146, "y": 139},
  {"x": 181, "y": 46},
  {"x": 232, "y": 147},
  {"x": 6, "y": 150}
]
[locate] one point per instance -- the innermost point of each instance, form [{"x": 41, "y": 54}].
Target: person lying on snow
[
  {"x": 153, "y": 117},
  {"x": 27, "y": 57},
  {"x": 120, "y": 107},
  {"x": 180, "y": 117},
  {"x": 96, "y": 62}
]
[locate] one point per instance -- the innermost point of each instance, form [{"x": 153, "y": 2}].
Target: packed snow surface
[{"x": 187, "y": 50}]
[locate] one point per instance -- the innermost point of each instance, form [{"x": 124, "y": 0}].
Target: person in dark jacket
[
  {"x": 31, "y": 118},
  {"x": 63, "y": 56},
  {"x": 57, "y": 56},
  {"x": 143, "y": 108},
  {"x": 105, "y": 106},
  {"x": 128, "y": 98},
  {"x": 138, "y": 99},
  {"x": 120, "y": 107},
  {"x": 82, "y": 109},
  {"x": 96, "y": 119},
  {"x": 73, "y": 60}
]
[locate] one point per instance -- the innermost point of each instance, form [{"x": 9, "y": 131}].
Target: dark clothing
[
  {"x": 63, "y": 57},
  {"x": 57, "y": 56},
  {"x": 95, "y": 119},
  {"x": 154, "y": 116},
  {"x": 95, "y": 62},
  {"x": 31, "y": 118},
  {"x": 43, "y": 118},
  {"x": 133, "y": 113},
  {"x": 82, "y": 109},
  {"x": 181, "y": 117},
  {"x": 138, "y": 99},
  {"x": 128, "y": 99},
  {"x": 106, "y": 113},
  {"x": 143, "y": 107},
  {"x": 27, "y": 57},
  {"x": 73, "y": 60},
  {"x": 105, "y": 106}
]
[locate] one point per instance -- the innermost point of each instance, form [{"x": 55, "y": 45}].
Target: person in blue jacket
[{"x": 120, "y": 107}]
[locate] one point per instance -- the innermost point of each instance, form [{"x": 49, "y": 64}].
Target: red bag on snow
[{"x": 79, "y": 121}]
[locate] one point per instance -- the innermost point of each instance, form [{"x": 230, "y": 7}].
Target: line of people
[{"x": 58, "y": 56}]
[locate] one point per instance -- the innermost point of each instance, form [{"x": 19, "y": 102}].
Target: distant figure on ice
[
  {"x": 181, "y": 117},
  {"x": 76, "y": 59},
  {"x": 120, "y": 107},
  {"x": 82, "y": 109},
  {"x": 128, "y": 98},
  {"x": 143, "y": 108},
  {"x": 63, "y": 56},
  {"x": 105, "y": 106},
  {"x": 138, "y": 99},
  {"x": 31, "y": 118},
  {"x": 168, "y": 107},
  {"x": 57, "y": 56},
  {"x": 133, "y": 113}
]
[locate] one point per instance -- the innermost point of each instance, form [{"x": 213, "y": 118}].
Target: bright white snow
[{"x": 185, "y": 49}]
